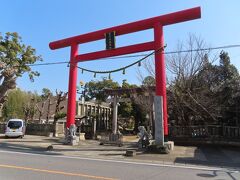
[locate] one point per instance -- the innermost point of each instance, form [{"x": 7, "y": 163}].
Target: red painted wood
[
  {"x": 72, "y": 87},
  {"x": 172, "y": 18},
  {"x": 156, "y": 22},
  {"x": 160, "y": 74},
  {"x": 116, "y": 52}
]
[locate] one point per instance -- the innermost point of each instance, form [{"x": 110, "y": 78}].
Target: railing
[
  {"x": 210, "y": 131},
  {"x": 231, "y": 132}
]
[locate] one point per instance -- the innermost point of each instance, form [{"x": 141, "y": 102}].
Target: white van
[{"x": 15, "y": 128}]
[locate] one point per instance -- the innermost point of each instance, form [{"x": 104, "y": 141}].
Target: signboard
[
  {"x": 158, "y": 107},
  {"x": 110, "y": 40}
]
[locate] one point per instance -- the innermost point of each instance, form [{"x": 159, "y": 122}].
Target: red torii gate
[{"x": 156, "y": 23}]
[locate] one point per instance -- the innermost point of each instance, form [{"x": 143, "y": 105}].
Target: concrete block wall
[
  {"x": 39, "y": 129},
  {"x": 34, "y": 129},
  {"x": 2, "y": 128}
]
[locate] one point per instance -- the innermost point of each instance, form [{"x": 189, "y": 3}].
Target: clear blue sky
[{"x": 40, "y": 22}]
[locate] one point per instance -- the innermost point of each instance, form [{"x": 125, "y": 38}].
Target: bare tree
[
  {"x": 188, "y": 59},
  {"x": 29, "y": 110},
  {"x": 186, "y": 101},
  {"x": 60, "y": 97},
  {"x": 50, "y": 103},
  {"x": 184, "y": 66},
  {"x": 40, "y": 106}
]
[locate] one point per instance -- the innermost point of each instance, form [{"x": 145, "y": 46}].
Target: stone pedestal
[
  {"x": 169, "y": 145},
  {"x": 74, "y": 141},
  {"x": 161, "y": 149},
  {"x": 115, "y": 139},
  {"x": 81, "y": 136},
  {"x": 70, "y": 136}
]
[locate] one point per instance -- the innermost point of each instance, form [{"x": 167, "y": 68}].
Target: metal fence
[{"x": 211, "y": 131}]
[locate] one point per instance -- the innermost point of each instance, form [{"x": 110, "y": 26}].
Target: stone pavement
[{"x": 203, "y": 155}]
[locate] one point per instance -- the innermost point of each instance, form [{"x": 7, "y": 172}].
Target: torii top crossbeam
[
  {"x": 156, "y": 23},
  {"x": 164, "y": 20}
]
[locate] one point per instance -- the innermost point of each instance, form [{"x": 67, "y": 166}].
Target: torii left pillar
[{"x": 72, "y": 86}]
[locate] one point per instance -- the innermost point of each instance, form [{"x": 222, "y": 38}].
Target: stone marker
[
  {"x": 130, "y": 153},
  {"x": 158, "y": 107}
]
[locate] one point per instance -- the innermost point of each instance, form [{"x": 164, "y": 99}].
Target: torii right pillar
[{"x": 160, "y": 100}]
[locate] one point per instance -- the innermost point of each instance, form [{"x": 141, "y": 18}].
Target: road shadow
[
  {"x": 4, "y": 137},
  {"x": 218, "y": 174},
  {"x": 113, "y": 154},
  {"x": 57, "y": 140},
  {"x": 28, "y": 140},
  {"x": 212, "y": 156},
  {"x": 26, "y": 149},
  {"x": 96, "y": 147},
  {"x": 40, "y": 146},
  {"x": 23, "y": 140}
]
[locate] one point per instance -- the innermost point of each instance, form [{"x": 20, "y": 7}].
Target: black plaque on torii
[{"x": 110, "y": 40}]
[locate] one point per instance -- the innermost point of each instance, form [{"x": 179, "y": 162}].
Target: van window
[{"x": 14, "y": 124}]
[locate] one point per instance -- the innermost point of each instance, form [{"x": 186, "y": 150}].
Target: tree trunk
[
  {"x": 55, "y": 126},
  {"x": 48, "y": 109},
  {"x": 8, "y": 83},
  {"x": 1, "y": 108}
]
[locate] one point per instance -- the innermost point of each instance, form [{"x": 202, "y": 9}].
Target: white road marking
[{"x": 124, "y": 162}]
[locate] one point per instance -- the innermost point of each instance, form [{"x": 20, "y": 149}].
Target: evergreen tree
[
  {"x": 15, "y": 58},
  {"x": 20, "y": 104},
  {"x": 95, "y": 89}
]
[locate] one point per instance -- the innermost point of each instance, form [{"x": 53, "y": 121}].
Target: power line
[
  {"x": 204, "y": 49},
  {"x": 45, "y": 64},
  {"x": 145, "y": 56},
  {"x": 142, "y": 55},
  {"x": 159, "y": 50},
  {"x": 182, "y": 51}
]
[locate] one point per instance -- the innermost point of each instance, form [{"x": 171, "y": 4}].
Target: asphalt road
[{"x": 24, "y": 166}]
